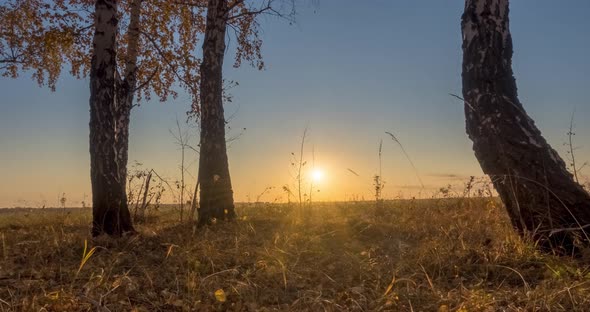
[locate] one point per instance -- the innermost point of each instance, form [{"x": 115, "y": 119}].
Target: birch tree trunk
[
  {"x": 125, "y": 92},
  {"x": 109, "y": 201},
  {"x": 216, "y": 196},
  {"x": 542, "y": 199}
]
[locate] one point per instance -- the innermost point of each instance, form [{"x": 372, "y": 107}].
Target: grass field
[{"x": 413, "y": 255}]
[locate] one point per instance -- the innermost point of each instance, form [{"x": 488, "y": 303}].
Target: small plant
[
  {"x": 300, "y": 163},
  {"x": 378, "y": 181},
  {"x": 259, "y": 196},
  {"x": 288, "y": 192},
  {"x": 63, "y": 200},
  {"x": 570, "y": 155},
  {"x": 304, "y": 185},
  {"x": 446, "y": 191},
  {"x": 86, "y": 254},
  {"x": 145, "y": 189},
  {"x": 181, "y": 138},
  {"x": 83, "y": 201},
  {"x": 396, "y": 140}
]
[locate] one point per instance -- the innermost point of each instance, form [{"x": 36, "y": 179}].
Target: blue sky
[{"x": 348, "y": 70}]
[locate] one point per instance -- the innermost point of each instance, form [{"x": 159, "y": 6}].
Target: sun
[{"x": 317, "y": 175}]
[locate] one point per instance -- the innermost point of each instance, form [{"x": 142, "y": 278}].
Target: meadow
[{"x": 447, "y": 254}]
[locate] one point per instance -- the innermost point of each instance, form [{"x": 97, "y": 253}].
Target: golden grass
[{"x": 415, "y": 255}]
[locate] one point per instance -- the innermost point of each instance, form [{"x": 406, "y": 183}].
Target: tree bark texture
[
  {"x": 216, "y": 196},
  {"x": 109, "y": 200},
  {"x": 542, "y": 199}
]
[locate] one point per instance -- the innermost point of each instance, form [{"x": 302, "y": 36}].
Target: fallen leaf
[{"x": 220, "y": 295}]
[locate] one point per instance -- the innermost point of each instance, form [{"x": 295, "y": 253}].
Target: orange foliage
[{"x": 43, "y": 37}]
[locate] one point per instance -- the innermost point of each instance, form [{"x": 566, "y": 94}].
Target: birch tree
[
  {"x": 109, "y": 204},
  {"x": 136, "y": 47},
  {"x": 542, "y": 198},
  {"x": 216, "y": 196}
]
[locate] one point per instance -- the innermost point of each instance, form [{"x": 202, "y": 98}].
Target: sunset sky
[{"x": 349, "y": 71}]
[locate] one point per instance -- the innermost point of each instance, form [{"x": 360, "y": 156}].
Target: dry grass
[{"x": 415, "y": 255}]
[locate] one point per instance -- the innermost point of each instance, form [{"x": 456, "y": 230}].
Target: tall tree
[
  {"x": 42, "y": 36},
  {"x": 109, "y": 201},
  {"x": 216, "y": 190},
  {"x": 216, "y": 196},
  {"x": 542, "y": 199}
]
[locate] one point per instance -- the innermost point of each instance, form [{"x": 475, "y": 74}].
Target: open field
[{"x": 413, "y": 255}]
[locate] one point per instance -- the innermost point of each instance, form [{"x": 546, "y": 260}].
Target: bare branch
[{"x": 267, "y": 9}]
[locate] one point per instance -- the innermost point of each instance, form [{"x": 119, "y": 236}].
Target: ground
[{"x": 409, "y": 255}]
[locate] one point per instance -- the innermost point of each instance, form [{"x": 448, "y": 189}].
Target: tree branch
[
  {"x": 192, "y": 4},
  {"x": 172, "y": 67},
  {"x": 267, "y": 8},
  {"x": 145, "y": 83}
]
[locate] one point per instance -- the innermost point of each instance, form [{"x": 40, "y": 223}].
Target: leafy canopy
[{"x": 44, "y": 37}]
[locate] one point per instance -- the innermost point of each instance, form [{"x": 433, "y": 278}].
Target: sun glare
[{"x": 317, "y": 175}]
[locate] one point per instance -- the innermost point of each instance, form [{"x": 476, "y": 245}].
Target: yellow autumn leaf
[
  {"x": 54, "y": 295},
  {"x": 443, "y": 308},
  {"x": 220, "y": 295}
]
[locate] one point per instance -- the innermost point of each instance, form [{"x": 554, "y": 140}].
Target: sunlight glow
[{"x": 317, "y": 175}]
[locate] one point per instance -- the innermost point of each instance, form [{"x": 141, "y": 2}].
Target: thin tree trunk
[
  {"x": 216, "y": 197},
  {"x": 126, "y": 90},
  {"x": 110, "y": 211},
  {"x": 542, "y": 199}
]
